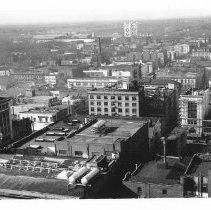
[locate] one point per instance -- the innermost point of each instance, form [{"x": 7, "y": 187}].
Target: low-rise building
[
  {"x": 157, "y": 179},
  {"x": 44, "y": 116},
  {"x": 51, "y": 80}
]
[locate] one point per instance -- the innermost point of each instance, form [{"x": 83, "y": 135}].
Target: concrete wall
[{"x": 150, "y": 190}]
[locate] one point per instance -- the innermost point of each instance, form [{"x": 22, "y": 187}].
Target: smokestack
[{"x": 163, "y": 139}]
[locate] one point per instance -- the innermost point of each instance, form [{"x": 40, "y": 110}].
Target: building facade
[
  {"x": 194, "y": 106},
  {"x": 6, "y": 133},
  {"x": 91, "y": 83},
  {"x": 115, "y": 102},
  {"x": 130, "y": 29}
]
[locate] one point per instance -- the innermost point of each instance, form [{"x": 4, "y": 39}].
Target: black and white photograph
[{"x": 105, "y": 100}]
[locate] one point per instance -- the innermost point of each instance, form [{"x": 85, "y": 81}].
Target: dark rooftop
[
  {"x": 200, "y": 165},
  {"x": 155, "y": 172}
]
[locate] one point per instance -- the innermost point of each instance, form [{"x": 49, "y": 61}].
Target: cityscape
[{"x": 115, "y": 109}]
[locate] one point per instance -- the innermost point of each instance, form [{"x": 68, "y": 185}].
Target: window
[
  {"x": 106, "y": 109},
  {"x": 98, "y": 97},
  {"x": 91, "y": 97},
  {"x": 119, "y": 97},
  {"x": 120, "y": 110},
  {"x": 164, "y": 191},
  {"x": 127, "y": 110},
  {"x": 192, "y": 109},
  {"x": 134, "y": 98},
  {"x": 139, "y": 191},
  {"x": 62, "y": 152},
  {"x": 99, "y": 109},
  {"x": 92, "y": 103},
  {"x": 134, "y": 111},
  {"x": 133, "y": 104},
  {"x": 99, "y": 103},
  {"x": 92, "y": 109},
  {"x": 119, "y": 104},
  {"x": 126, "y": 98},
  {"x": 106, "y": 103},
  {"x": 126, "y": 104},
  {"x": 78, "y": 83},
  {"x": 113, "y": 109},
  {"x": 78, "y": 153},
  {"x": 105, "y": 97},
  {"x": 112, "y": 97}
]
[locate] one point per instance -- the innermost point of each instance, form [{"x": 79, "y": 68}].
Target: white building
[
  {"x": 130, "y": 29},
  {"x": 91, "y": 82},
  {"x": 194, "y": 107},
  {"x": 42, "y": 117},
  {"x": 182, "y": 49},
  {"x": 50, "y": 79}
]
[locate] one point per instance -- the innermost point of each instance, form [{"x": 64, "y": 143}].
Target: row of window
[
  {"x": 120, "y": 110},
  {"x": 112, "y": 104},
  {"x": 80, "y": 153},
  {"x": 85, "y": 84},
  {"x": 185, "y": 81},
  {"x": 134, "y": 98}
]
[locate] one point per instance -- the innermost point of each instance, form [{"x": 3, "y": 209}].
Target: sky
[{"x": 57, "y": 11}]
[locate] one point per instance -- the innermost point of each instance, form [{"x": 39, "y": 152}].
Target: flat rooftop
[
  {"x": 155, "y": 172},
  {"x": 110, "y": 90},
  {"x": 117, "y": 130},
  {"x": 19, "y": 179},
  {"x": 46, "y": 110}
]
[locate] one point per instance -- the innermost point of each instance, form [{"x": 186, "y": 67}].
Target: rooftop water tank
[
  {"x": 77, "y": 174},
  {"x": 89, "y": 176}
]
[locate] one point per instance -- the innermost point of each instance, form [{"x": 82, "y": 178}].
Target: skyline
[{"x": 64, "y": 11}]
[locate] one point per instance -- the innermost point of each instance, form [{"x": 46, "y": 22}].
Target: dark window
[
  {"x": 105, "y": 97},
  {"x": 119, "y": 97},
  {"x": 78, "y": 153},
  {"x": 92, "y": 109},
  {"x": 92, "y": 103},
  {"x": 127, "y": 98},
  {"x": 106, "y": 103},
  {"x": 91, "y": 97},
  {"x": 119, "y": 104},
  {"x": 134, "y": 98},
  {"x": 126, "y": 104},
  {"x": 98, "y": 103},
  {"x": 164, "y": 191},
  {"x": 99, "y": 109},
  {"x": 112, "y": 97},
  {"x": 133, "y": 104},
  {"x": 106, "y": 109},
  {"x": 120, "y": 110},
  {"x": 63, "y": 152},
  {"x": 134, "y": 111},
  {"x": 127, "y": 110},
  {"x": 192, "y": 109},
  {"x": 98, "y": 97}
]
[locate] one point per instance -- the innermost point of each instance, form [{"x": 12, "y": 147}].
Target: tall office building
[
  {"x": 130, "y": 29},
  {"x": 194, "y": 106},
  {"x": 5, "y": 120}
]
